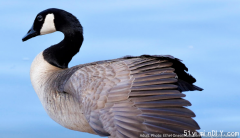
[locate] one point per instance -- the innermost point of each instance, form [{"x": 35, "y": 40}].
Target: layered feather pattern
[{"x": 131, "y": 96}]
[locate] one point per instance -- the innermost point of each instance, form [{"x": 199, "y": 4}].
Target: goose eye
[{"x": 40, "y": 18}]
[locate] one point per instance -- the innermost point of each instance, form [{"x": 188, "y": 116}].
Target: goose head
[{"x": 52, "y": 20}]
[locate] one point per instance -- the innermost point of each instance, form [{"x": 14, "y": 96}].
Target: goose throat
[{"x": 61, "y": 54}]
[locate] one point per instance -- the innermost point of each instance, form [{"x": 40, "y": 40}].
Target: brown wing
[{"x": 134, "y": 96}]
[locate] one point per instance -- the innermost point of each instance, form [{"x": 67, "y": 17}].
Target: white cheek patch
[{"x": 48, "y": 25}]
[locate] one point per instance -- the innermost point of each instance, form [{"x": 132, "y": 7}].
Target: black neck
[{"x": 61, "y": 54}]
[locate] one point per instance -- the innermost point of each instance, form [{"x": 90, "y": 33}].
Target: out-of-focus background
[{"x": 203, "y": 33}]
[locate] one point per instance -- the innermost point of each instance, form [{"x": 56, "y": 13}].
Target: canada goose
[{"x": 124, "y": 97}]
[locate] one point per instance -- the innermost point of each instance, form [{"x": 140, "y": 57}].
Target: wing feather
[{"x": 135, "y": 95}]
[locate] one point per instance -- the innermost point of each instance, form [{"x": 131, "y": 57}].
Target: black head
[{"x": 51, "y": 20}]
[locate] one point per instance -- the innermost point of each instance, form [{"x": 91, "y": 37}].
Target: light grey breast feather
[{"x": 130, "y": 96}]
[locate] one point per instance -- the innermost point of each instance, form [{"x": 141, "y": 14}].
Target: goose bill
[{"x": 31, "y": 33}]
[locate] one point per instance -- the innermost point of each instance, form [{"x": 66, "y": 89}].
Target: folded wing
[{"x": 131, "y": 96}]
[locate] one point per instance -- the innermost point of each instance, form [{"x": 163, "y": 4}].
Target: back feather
[{"x": 131, "y": 96}]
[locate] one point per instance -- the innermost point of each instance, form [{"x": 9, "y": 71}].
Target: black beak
[{"x": 31, "y": 33}]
